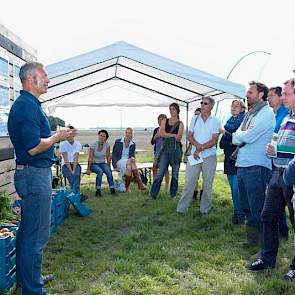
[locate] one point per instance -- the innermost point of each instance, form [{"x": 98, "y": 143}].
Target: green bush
[{"x": 5, "y": 207}]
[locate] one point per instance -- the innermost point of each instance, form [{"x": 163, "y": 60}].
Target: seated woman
[
  {"x": 123, "y": 159},
  {"x": 71, "y": 169},
  {"x": 99, "y": 162}
]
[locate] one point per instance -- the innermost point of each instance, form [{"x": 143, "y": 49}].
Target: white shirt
[
  {"x": 203, "y": 132},
  {"x": 70, "y": 149},
  {"x": 125, "y": 151}
]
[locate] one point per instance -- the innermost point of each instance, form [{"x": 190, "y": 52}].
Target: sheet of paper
[{"x": 192, "y": 161}]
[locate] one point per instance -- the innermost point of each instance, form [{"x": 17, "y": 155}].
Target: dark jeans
[
  {"x": 163, "y": 166},
  {"x": 99, "y": 169},
  {"x": 283, "y": 227},
  {"x": 33, "y": 185},
  {"x": 75, "y": 179},
  {"x": 277, "y": 197},
  {"x": 252, "y": 182}
]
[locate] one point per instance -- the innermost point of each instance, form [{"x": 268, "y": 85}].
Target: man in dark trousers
[
  {"x": 31, "y": 137},
  {"x": 278, "y": 193}
]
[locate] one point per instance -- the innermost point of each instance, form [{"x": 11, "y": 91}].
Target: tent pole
[{"x": 186, "y": 126}]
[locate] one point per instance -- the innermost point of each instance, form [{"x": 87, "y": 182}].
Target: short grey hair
[
  {"x": 29, "y": 69},
  {"x": 211, "y": 100}
]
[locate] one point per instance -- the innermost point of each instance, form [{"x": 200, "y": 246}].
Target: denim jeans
[
  {"x": 99, "y": 169},
  {"x": 233, "y": 183},
  {"x": 252, "y": 182},
  {"x": 277, "y": 196},
  {"x": 163, "y": 166},
  {"x": 75, "y": 179},
  {"x": 33, "y": 185},
  {"x": 283, "y": 227}
]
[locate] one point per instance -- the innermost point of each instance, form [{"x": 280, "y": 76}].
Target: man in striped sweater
[{"x": 278, "y": 193}]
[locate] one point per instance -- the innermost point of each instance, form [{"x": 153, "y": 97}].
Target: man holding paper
[{"x": 203, "y": 135}]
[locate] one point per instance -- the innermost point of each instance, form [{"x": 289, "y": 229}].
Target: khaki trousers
[{"x": 192, "y": 173}]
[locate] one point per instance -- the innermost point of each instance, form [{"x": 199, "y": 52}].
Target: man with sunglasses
[
  {"x": 203, "y": 135},
  {"x": 253, "y": 165}
]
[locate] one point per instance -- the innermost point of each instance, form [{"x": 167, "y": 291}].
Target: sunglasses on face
[{"x": 204, "y": 103}]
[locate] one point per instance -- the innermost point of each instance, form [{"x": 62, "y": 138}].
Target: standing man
[
  {"x": 253, "y": 165},
  {"x": 289, "y": 179},
  {"x": 30, "y": 135},
  {"x": 203, "y": 135},
  {"x": 278, "y": 193},
  {"x": 280, "y": 111}
]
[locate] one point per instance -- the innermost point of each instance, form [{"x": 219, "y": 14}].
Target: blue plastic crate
[
  {"x": 75, "y": 200},
  {"x": 66, "y": 208},
  {"x": 7, "y": 246},
  {"x": 7, "y": 280},
  {"x": 7, "y": 263}
]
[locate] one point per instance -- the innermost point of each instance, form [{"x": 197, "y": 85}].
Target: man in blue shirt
[
  {"x": 253, "y": 166},
  {"x": 278, "y": 193},
  {"x": 275, "y": 101},
  {"x": 30, "y": 135}
]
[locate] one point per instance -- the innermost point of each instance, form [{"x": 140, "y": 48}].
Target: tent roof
[{"x": 125, "y": 65}]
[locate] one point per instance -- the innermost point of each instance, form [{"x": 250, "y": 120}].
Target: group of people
[
  {"x": 259, "y": 149},
  {"x": 260, "y": 167},
  {"x": 100, "y": 159}
]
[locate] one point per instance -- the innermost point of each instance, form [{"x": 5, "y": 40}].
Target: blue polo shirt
[
  {"x": 27, "y": 124},
  {"x": 280, "y": 114}
]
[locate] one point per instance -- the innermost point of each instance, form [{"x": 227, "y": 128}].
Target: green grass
[{"x": 133, "y": 245}]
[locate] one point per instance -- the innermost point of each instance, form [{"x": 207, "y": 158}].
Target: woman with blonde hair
[{"x": 123, "y": 159}]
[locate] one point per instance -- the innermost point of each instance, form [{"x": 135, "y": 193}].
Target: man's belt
[{"x": 21, "y": 167}]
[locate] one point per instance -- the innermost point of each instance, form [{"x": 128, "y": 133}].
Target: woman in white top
[
  {"x": 71, "y": 169},
  {"x": 99, "y": 162}
]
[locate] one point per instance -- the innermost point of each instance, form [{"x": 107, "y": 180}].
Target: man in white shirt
[
  {"x": 203, "y": 135},
  {"x": 71, "y": 169}
]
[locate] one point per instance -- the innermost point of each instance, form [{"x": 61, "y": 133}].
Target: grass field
[{"x": 133, "y": 245}]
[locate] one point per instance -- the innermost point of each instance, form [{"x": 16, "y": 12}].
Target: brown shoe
[
  {"x": 127, "y": 182},
  {"x": 140, "y": 184}
]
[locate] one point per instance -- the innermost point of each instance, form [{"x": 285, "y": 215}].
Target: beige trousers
[{"x": 192, "y": 173}]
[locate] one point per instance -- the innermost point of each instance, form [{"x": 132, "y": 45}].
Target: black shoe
[
  {"x": 258, "y": 265},
  {"x": 113, "y": 191},
  {"x": 98, "y": 193},
  {"x": 235, "y": 219},
  {"x": 241, "y": 219},
  {"x": 195, "y": 195},
  {"x": 48, "y": 278},
  {"x": 290, "y": 275},
  {"x": 83, "y": 197}
]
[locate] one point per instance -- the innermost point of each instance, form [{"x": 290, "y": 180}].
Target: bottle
[{"x": 274, "y": 143}]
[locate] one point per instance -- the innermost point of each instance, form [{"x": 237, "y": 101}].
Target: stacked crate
[
  {"x": 8, "y": 260},
  {"x": 59, "y": 208}
]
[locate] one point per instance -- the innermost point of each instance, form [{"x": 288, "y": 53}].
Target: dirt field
[{"x": 141, "y": 138}]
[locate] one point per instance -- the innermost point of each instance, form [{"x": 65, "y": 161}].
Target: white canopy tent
[{"x": 90, "y": 78}]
